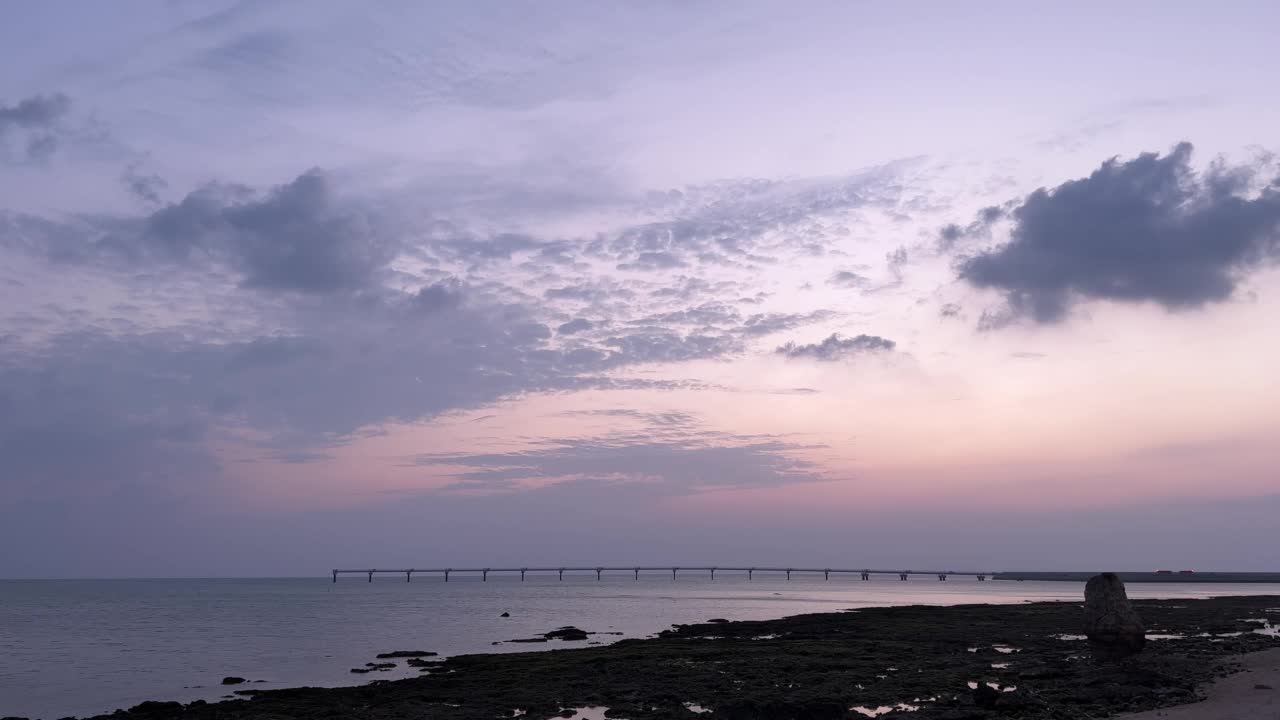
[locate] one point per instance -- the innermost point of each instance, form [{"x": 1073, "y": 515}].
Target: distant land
[{"x": 1143, "y": 577}]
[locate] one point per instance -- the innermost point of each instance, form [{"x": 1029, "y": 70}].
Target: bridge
[{"x": 635, "y": 570}]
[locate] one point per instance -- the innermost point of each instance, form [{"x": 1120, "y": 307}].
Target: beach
[
  {"x": 1250, "y": 694},
  {"x": 967, "y": 661}
]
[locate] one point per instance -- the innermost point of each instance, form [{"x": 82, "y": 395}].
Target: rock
[
  {"x": 505, "y": 614},
  {"x": 232, "y": 680},
  {"x": 406, "y": 654},
  {"x": 717, "y": 620},
  {"x": 1261, "y": 686},
  {"x": 156, "y": 709},
  {"x": 985, "y": 696},
  {"x": 567, "y": 633},
  {"x": 420, "y": 662},
  {"x": 1112, "y": 626}
]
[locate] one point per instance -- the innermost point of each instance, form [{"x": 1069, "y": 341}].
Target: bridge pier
[
  {"x": 902, "y": 577},
  {"x": 750, "y": 572},
  {"x": 982, "y": 578},
  {"x": 522, "y": 572},
  {"x": 598, "y": 574},
  {"x": 407, "y": 573},
  {"x": 561, "y": 574},
  {"x": 788, "y": 573},
  {"x": 866, "y": 575},
  {"x": 484, "y": 575},
  {"x": 826, "y": 574},
  {"x": 713, "y": 573},
  {"x": 942, "y": 576},
  {"x": 370, "y": 576},
  {"x": 673, "y": 574},
  {"x": 446, "y": 575},
  {"x": 637, "y": 573},
  {"x": 335, "y": 576}
]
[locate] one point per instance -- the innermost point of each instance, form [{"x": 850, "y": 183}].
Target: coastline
[
  {"x": 883, "y": 660},
  {"x": 1250, "y": 694}
]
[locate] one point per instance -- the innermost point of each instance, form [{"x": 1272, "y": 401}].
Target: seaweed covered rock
[{"x": 1111, "y": 624}]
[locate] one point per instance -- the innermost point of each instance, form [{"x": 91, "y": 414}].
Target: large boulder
[{"x": 1112, "y": 625}]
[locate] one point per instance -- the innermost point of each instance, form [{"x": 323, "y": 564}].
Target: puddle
[
  {"x": 518, "y": 713},
  {"x": 883, "y": 709},
  {"x": 590, "y": 712},
  {"x": 993, "y": 685},
  {"x": 771, "y": 636},
  {"x": 1004, "y": 649},
  {"x": 1066, "y": 636},
  {"x": 695, "y": 707},
  {"x": 1164, "y": 636},
  {"x": 999, "y": 666}
]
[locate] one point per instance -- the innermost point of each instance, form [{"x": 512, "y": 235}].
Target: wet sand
[
  {"x": 924, "y": 663},
  {"x": 1235, "y": 697}
]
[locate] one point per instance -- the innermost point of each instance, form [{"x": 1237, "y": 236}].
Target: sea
[{"x": 83, "y": 647}]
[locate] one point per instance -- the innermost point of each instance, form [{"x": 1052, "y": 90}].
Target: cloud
[
  {"x": 836, "y": 347},
  {"x": 39, "y": 111},
  {"x": 669, "y": 453},
  {"x": 297, "y": 237},
  {"x": 769, "y": 323},
  {"x": 1151, "y": 229},
  {"x": 145, "y": 187},
  {"x": 575, "y": 325},
  {"x": 654, "y": 345},
  {"x": 32, "y": 126},
  {"x": 846, "y": 279}
]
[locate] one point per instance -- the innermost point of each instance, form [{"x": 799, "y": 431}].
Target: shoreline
[
  {"x": 1247, "y": 695},
  {"x": 817, "y": 665}
]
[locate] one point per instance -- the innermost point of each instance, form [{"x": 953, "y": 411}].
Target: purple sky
[{"x": 294, "y": 285}]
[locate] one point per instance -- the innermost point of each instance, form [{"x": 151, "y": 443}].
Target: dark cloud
[
  {"x": 847, "y": 279},
  {"x": 836, "y": 347},
  {"x": 950, "y": 235},
  {"x": 39, "y": 111},
  {"x": 1150, "y": 229},
  {"x": 438, "y": 296},
  {"x": 144, "y": 186},
  {"x": 296, "y": 238},
  {"x": 29, "y": 129},
  {"x": 575, "y": 325}
]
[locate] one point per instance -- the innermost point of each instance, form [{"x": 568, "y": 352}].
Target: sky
[{"x": 297, "y": 285}]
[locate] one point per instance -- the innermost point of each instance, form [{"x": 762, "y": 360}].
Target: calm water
[{"x": 76, "y": 647}]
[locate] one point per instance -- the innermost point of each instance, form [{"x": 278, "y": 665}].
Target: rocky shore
[{"x": 925, "y": 663}]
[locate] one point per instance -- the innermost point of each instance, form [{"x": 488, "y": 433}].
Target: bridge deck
[{"x": 599, "y": 570}]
